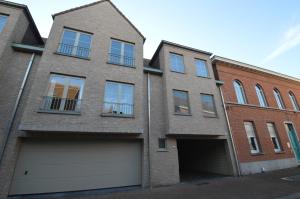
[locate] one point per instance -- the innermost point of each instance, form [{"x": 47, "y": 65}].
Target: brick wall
[{"x": 260, "y": 116}]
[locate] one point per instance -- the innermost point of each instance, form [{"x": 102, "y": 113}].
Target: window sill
[
  {"x": 203, "y": 77},
  {"x": 127, "y": 66},
  {"x": 116, "y": 115},
  {"x": 257, "y": 154},
  {"x": 67, "y": 55},
  {"x": 59, "y": 112},
  {"x": 162, "y": 150},
  {"x": 183, "y": 114},
  {"x": 173, "y": 71},
  {"x": 280, "y": 152}
]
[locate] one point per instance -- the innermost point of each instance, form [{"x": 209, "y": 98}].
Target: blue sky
[{"x": 262, "y": 33}]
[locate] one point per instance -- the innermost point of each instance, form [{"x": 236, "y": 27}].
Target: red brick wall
[{"x": 260, "y": 116}]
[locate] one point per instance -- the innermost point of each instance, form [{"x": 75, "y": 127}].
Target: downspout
[
  {"x": 230, "y": 133},
  {"x": 11, "y": 121},
  {"x": 149, "y": 126}
]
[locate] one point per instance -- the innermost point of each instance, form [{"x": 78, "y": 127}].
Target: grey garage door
[{"x": 58, "y": 166}]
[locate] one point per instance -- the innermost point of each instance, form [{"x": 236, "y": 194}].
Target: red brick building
[{"x": 263, "y": 115}]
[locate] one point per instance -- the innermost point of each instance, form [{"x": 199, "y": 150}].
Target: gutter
[
  {"x": 149, "y": 126},
  {"x": 237, "y": 164},
  {"x": 17, "y": 103}
]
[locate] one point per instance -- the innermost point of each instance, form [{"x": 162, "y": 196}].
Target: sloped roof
[
  {"x": 27, "y": 13},
  {"x": 97, "y": 2}
]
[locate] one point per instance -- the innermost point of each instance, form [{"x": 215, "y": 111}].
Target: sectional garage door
[{"x": 59, "y": 166}]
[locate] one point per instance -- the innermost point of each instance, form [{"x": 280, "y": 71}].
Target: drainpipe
[
  {"x": 17, "y": 103},
  {"x": 230, "y": 132},
  {"x": 149, "y": 127}
]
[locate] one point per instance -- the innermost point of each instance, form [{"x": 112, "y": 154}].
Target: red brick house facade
[{"x": 267, "y": 156}]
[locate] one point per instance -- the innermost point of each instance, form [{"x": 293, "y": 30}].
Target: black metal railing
[
  {"x": 122, "y": 60},
  {"x": 58, "y": 104},
  {"x": 71, "y": 50},
  {"x": 118, "y": 108}
]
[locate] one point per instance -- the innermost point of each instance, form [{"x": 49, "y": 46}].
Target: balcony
[
  {"x": 117, "y": 109},
  {"x": 121, "y": 60},
  {"x": 60, "y": 105},
  {"x": 74, "y": 51}
]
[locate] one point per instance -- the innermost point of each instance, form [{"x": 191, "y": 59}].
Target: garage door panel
[{"x": 63, "y": 166}]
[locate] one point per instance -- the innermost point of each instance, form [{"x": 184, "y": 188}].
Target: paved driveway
[{"x": 267, "y": 185}]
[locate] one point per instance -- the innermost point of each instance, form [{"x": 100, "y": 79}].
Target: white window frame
[
  {"x": 261, "y": 96},
  {"x": 118, "y": 101},
  {"x": 67, "y": 80},
  {"x": 273, "y": 134},
  {"x": 170, "y": 62},
  {"x": 294, "y": 101},
  {"x": 238, "y": 85},
  {"x": 122, "y": 55},
  {"x": 250, "y": 132},
  {"x": 278, "y": 98},
  {"x": 5, "y": 17},
  {"x": 205, "y": 66},
  {"x": 75, "y": 46}
]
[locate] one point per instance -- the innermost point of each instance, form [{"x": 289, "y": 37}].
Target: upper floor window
[
  {"x": 274, "y": 137},
  {"x": 201, "y": 68},
  {"x": 181, "y": 102},
  {"x": 251, "y": 135},
  {"x": 3, "y": 19},
  {"x": 121, "y": 53},
  {"x": 239, "y": 92},
  {"x": 208, "y": 105},
  {"x": 261, "y": 96},
  {"x": 118, "y": 99},
  {"x": 278, "y": 99},
  {"x": 294, "y": 101},
  {"x": 64, "y": 94},
  {"x": 75, "y": 43},
  {"x": 176, "y": 63}
]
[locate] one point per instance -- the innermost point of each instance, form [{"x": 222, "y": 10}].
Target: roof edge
[
  {"x": 165, "y": 42},
  {"x": 252, "y": 67},
  {"x": 28, "y": 14},
  {"x": 97, "y": 2}
]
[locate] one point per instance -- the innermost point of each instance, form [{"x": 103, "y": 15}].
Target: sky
[{"x": 265, "y": 33}]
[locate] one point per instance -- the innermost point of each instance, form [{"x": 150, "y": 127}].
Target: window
[
  {"x": 261, "y": 96},
  {"x": 249, "y": 127},
  {"x": 162, "y": 143},
  {"x": 64, "y": 94},
  {"x": 239, "y": 92},
  {"x": 278, "y": 99},
  {"x": 294, "y": 101},
  {"x": 75, "y": 43},
  {"x": 176, "y": 63},
  {"x": 3, "y": 20},
  {"x": 201, "y": 68},
  {"x": 121, "y": 53},
  {"x": 181, "y": 102},
  {"x": 208, "y": 105},
  {"x": 118, "y": 99},
  {"x": 274, "y": 137}
]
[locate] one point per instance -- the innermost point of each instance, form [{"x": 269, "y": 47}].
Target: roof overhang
[
  {"x": 27, "y": 13},
  {"x": 252, "y": 67},
  {"x": 164, "y": 42},
  {"x": 27, "y": 48}
]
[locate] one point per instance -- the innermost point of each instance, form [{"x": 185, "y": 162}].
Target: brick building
[{"x": 262, "y": 108}]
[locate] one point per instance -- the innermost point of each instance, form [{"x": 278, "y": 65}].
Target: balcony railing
[
  {"x": 122, "y": 60},
  {"x": 77, "y": 51},
  {"x": 56, "y": 104},
  {"x": 112, "y": 108}
]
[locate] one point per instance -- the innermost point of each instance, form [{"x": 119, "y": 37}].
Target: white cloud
[{"x": 291, "y": 39}]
